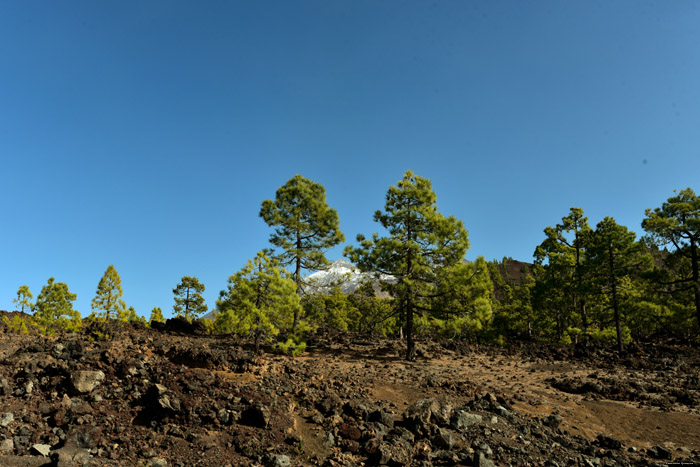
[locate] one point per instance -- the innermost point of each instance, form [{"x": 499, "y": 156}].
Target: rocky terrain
[{"x": 163, "y": 398}]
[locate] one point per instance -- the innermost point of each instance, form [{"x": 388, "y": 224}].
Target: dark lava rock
[
  {"x": 330, "y": 405},
  {"x": 257, "y": 416},
  {"x": 552, "y": 421},
  {"x": 608, "y": 442},
  {"x": 348, "y": 431},
  {"x": 659, "y": 452},
  {"x": 444, "y": 438},
  {"x": 383, "y": 417}
]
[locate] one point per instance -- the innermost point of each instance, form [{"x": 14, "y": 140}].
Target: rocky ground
[{"x": 158, "y": 398}]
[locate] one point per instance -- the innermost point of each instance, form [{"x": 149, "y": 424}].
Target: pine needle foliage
[
  {"x": 305, "y": 227},
  {"x": 425, "y": 251},
  {"x": 188, "y": 298},
  {"x": 24, "y": 299},
  {"x": 108, "y": 302},
  {"x": 677, "y": 223},
  {"x": 260, "y": 301},
  {"x": 156, "y": 316},
  {"x": 54, "y": 309}
]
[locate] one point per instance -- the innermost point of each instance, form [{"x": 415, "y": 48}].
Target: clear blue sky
[{"x": 146, "y": 134}]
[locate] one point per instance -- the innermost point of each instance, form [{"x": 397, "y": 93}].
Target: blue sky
[{"x": 147, "y": 134}]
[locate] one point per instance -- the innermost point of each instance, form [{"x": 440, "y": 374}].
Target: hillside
[{"x": 166, "y": 399}]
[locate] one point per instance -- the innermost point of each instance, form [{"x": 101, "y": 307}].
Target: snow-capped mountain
[{"x": 342, "y": 273}]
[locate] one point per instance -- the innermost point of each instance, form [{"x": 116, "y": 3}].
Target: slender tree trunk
[
  {"x": 187, "y": 305},
  {"x": 616, "y": 307},
  {"x": 410, "y": 345},
  {"x": 579, "y": 289},
  {"x": 696, "y": 276},
  {"x": 297, "y": 277}
]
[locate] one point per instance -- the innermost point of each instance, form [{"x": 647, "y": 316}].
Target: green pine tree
[
  {"x": 54, "y": 308},
  {"x": 24, "y": 299},
  {"x": 134, "y": 317},
  {"x": 425, "y": 252},
  {"x": 375, "y": 314},
  {"x": 677, "y": 223},
  {"x": 561, "y": 257},
  {"x": 613, "y": 257},
  {"x": 108, "y": 301},
  {"x": 156, "y": 316},
  {"x": 260, "y": 300},
  {"x": 305, "y": 227},
  {"x": 188, "y": 298}
]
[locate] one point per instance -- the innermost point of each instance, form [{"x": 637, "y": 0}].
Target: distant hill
[{"x": 515, "y": 271}]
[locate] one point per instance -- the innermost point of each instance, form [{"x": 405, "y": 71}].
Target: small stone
[
  {"x": 463, "y": 419},
  {"x": 85, "y": 381},
  {"x": 42, "y": 449},
  {"x": 444, "y": 439},
  {"x": 659, "y": 452},
  {"x": 6, "y": 418},
  {"x": 552, "y": 421},
  {"x": 480, "y": 460},
  {"x": 7, "y": 445}
]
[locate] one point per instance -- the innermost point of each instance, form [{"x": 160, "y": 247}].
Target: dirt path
[{"x": 525, "y": 383}]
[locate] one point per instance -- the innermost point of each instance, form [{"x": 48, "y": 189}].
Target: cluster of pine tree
[
  {"x": 53, "y": 310},
  {"x": 586, "y": 283},
  {"x": 434, "y": 289},
  {"x": 603, "y": 283}
]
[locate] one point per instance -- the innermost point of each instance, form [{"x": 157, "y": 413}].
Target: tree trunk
[
  {"x": 410, "y": 344},
  {"x": 297, "y": 277},
  {"x": 696, "y": 276},
  {"x": 616, "y": 308}
]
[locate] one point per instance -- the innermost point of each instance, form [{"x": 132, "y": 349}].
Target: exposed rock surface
[{"x": 164, "y": 399}]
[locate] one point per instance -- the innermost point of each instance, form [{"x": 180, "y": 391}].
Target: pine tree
[
  {"x": 260, "y": 300},
  {"x": 425, "y": 252},
  {"x": 108, "y": 301},
  {"x": 24, "y": 299},
  {"x": 134, "y": 317},
  {"x": 188, "y": 298},
  {"x": 156, "y": 316},
  {"x": 305, "y": 227},
  {"x": 677, "y": 222},
  {"x": 54, "y": 308},
  {"x": 613, "y": 257},
  {"x": 561, "y": 266},
  {"x": 374, "y": 313}
]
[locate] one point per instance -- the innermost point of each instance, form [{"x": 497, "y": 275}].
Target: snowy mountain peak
[{"x": 342, "y": 273}]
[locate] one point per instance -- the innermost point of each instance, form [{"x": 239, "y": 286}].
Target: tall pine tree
[
  {"x": 559, "y": 271},
  {"x": 260, "y": 300},
  {"x": 188, "y": 298},
  {"x": 613, "y": 257},
  {"x": 24, "y": 299},
  {"x": 424, "y": 251},
  {"x": 305, "y": 227},
  {"x": 108, "y": 301},
  {"x": 54, "y": 308},
  {"x": 677, "y": 223}
]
